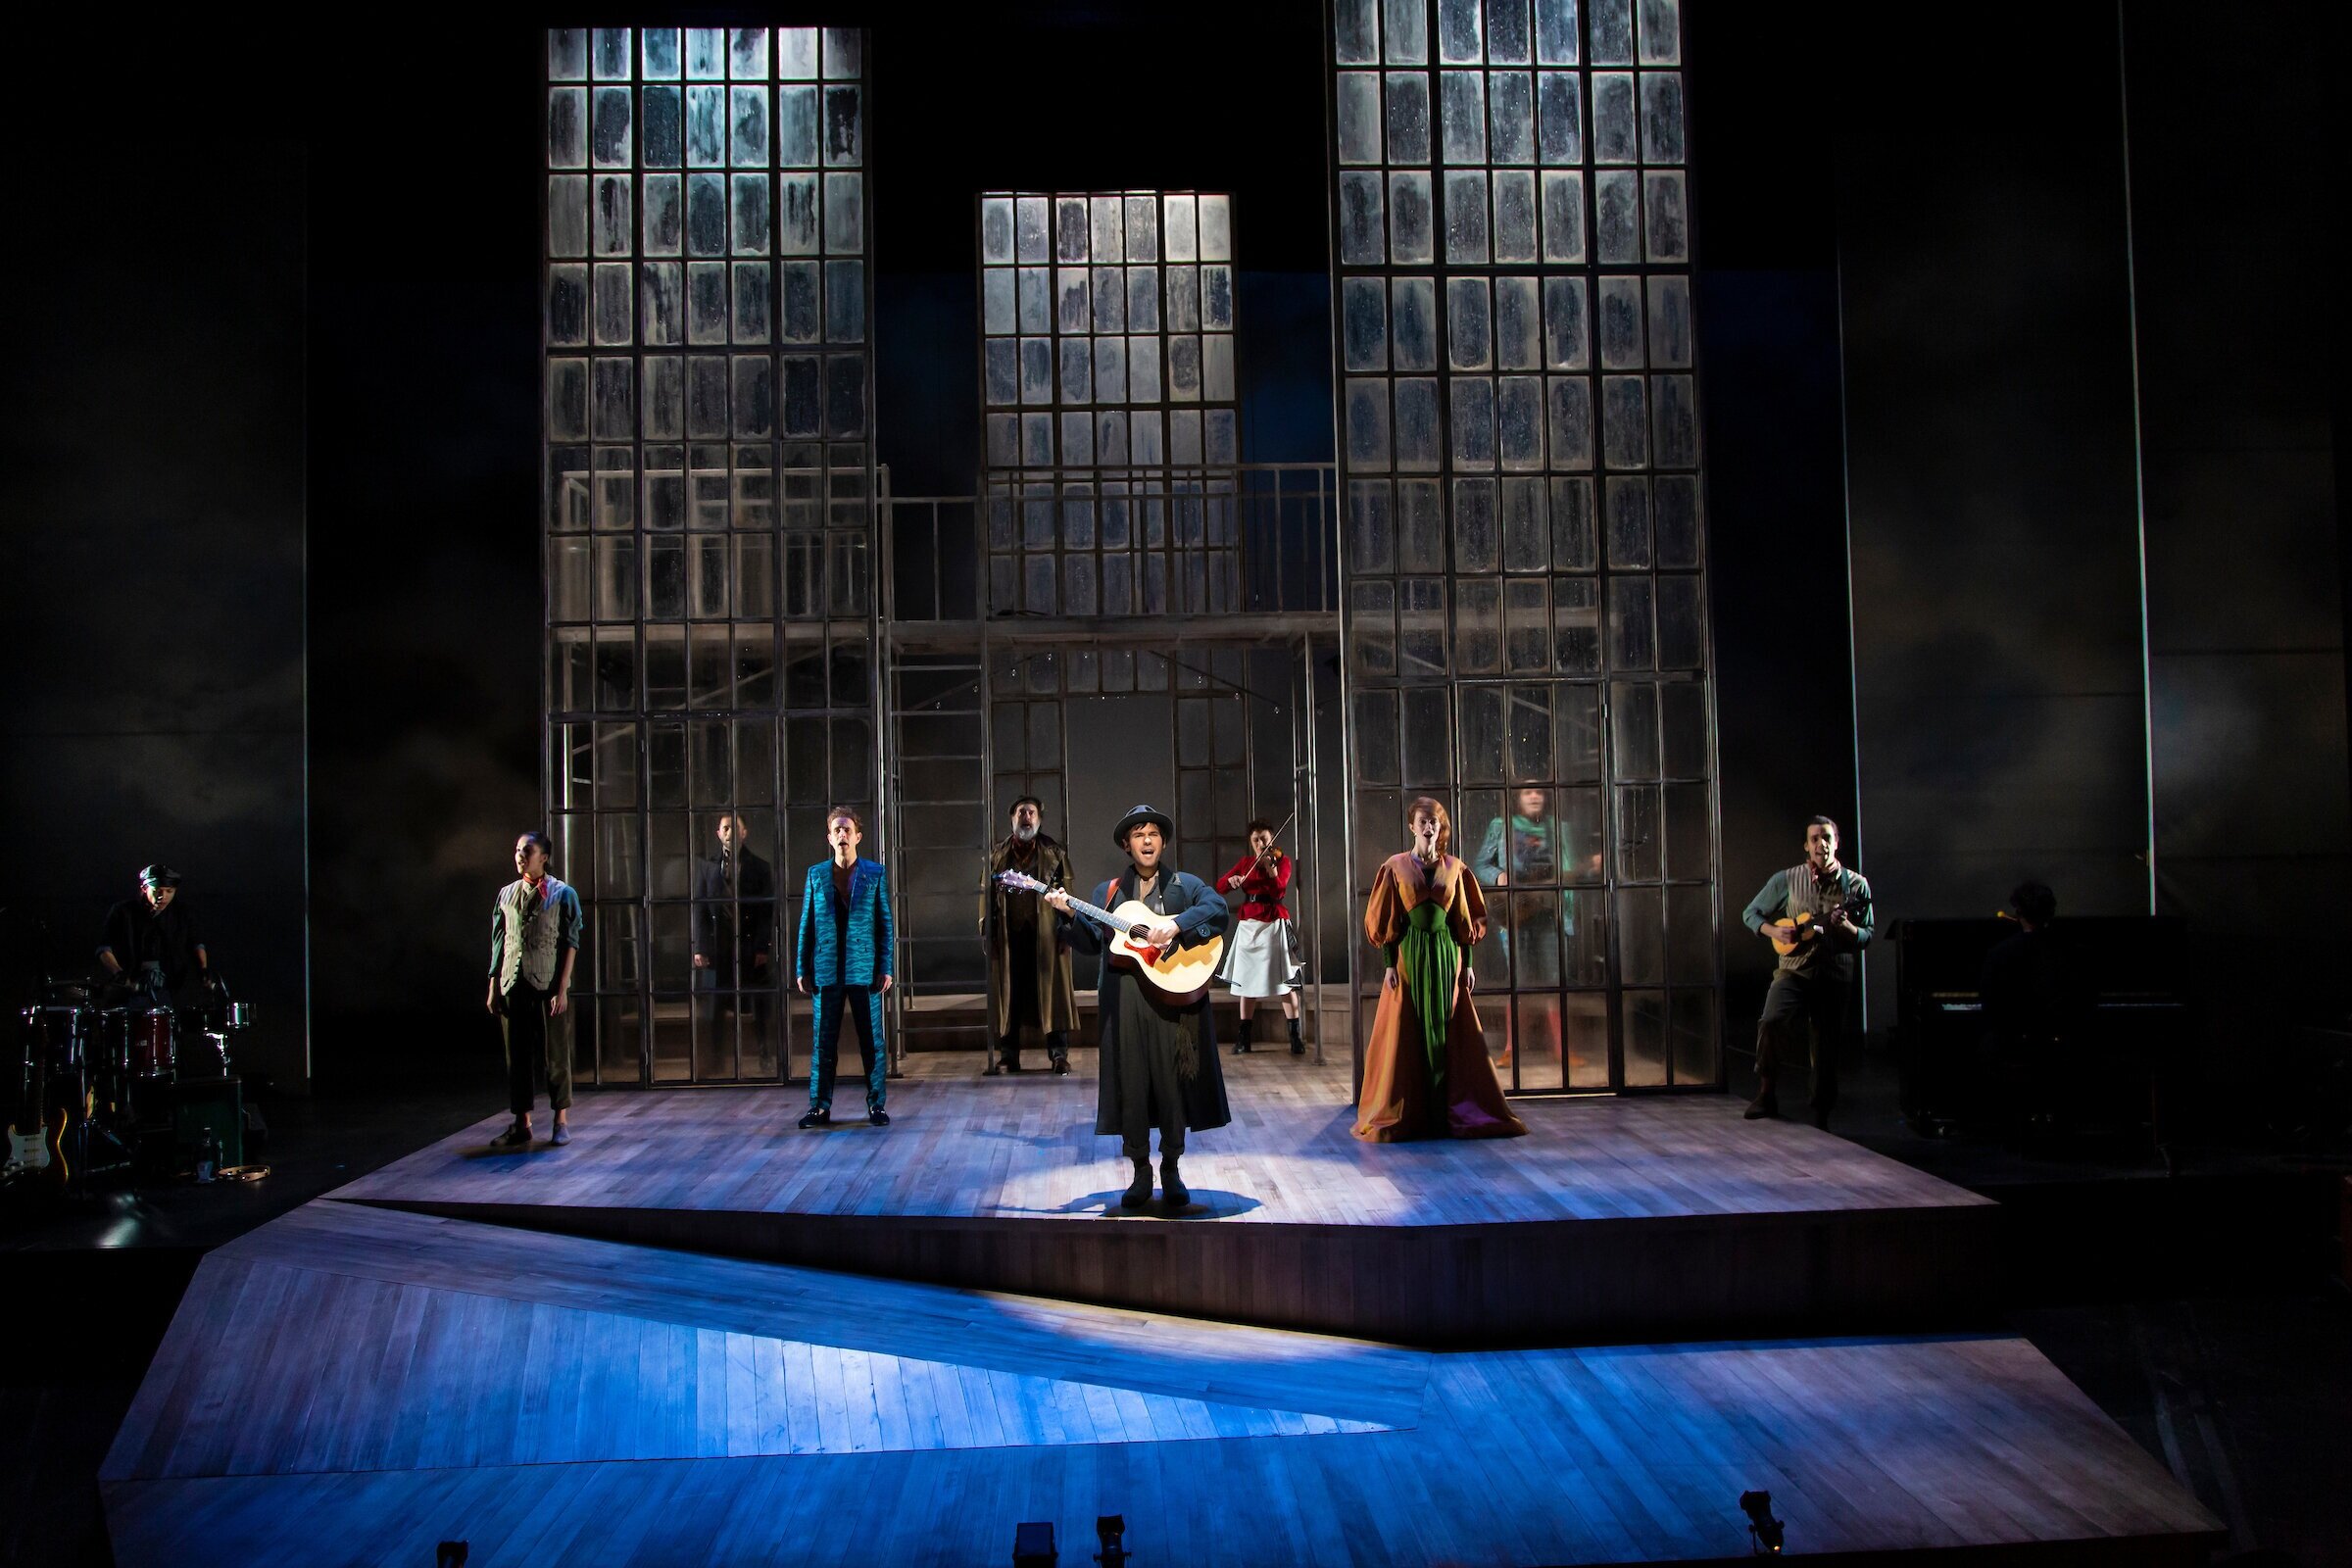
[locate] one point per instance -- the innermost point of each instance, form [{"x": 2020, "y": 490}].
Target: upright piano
[{"x": 2129, "y": 1011}]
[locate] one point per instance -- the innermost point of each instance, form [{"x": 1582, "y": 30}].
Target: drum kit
[{"x": 94, "y": 1064}]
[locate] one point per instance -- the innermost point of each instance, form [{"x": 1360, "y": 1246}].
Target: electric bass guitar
[
  {"x": 1180, "y": 975},
  {"x": 1789, "y": 933},
  {"x": 36, "y": 1143}
]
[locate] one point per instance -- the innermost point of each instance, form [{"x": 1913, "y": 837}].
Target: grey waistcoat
[{"x": 530, "y": 952}]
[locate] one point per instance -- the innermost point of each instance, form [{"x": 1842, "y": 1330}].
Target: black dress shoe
[
  {"x": 817, "y": 1118},
  {"x": 1761, "y": 1106},
  {"x": 1062, "y": 1067},
  {"x": 877, "y": 1119},
  {"x": 513, "y": 1138},
  {"x": 994, "y": 1069}
]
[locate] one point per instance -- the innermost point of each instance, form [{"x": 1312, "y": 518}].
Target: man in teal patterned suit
[{"x": 844, "y": 959}]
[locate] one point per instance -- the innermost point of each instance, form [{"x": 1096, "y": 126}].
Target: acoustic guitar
[
  {"x": 1180, "y": 975},
  {"x": 1789, "y": 933}
]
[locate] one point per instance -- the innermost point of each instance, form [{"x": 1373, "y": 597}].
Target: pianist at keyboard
[{"x": 1814, "y": 982}]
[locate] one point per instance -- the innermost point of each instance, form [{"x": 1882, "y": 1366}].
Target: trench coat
[
  {"x": 1198, "y": 913},
  {"x": 1057, "y": 994}
]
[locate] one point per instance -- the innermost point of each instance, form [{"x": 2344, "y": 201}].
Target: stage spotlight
[
  {"x": 1112, "y": 1530},
  {"x": 1764, "y": 1531},
  {"x": 450, "y": 1554},
  {"x": 1033, "y": 1544}
]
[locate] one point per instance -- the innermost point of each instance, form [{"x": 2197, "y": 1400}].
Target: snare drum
[{"x": 151, "y": 1053}]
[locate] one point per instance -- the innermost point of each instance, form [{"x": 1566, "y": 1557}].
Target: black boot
[
  {"x": 1241, "y": 1043},
  {"x": 1767, "y": 1102},
  {"x": 1057, "y": 1051},
  {"x": 1298, "y": 1045},
  {"x": 1139, "y": 1191},
  {"x": 1171, "y": 1185}
]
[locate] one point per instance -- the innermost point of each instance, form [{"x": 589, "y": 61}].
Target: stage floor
[
  {"x": 1024, "y": 1147},
  {"x": 351, "y": 1384},
  {"x": 1614, "y": 1217}
]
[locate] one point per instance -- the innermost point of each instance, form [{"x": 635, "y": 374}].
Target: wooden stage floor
[
  {"x": 1630, "y": 1218},
  {"x": 352, "y": 1384}
]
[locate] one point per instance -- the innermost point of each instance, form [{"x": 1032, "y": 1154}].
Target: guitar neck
[
  {"x": 1078, "y": 905},
  {"x": 1123, "y": 928}
]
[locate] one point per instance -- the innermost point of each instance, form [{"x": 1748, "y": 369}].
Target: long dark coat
[
  {"x": 1057, "y": 995},
  {"x": 717, "y": 935},
  {"x": 1200, "y": 914}
]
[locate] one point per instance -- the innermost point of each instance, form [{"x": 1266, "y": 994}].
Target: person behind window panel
[
  {"x": 1030, "y": 985},
  {"x": 1823, "y": 911},
  {"x": 534, "y": 939},
  {"x": 845, "y": 956},
  {"x": 1258, "y": 963},
  {"x": 1426, "y": 1070},
  {"x": 1529, "y": 848},
  {"x": 735, "y": 926},
  {"x": 149, "y": 941},
  {"x": 1158, "y": 1059}
]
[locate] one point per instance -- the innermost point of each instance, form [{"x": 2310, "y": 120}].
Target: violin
[{"x": 1264, "y": 859}]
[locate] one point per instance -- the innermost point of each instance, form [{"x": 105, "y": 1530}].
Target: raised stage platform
[
  {"x": 427, "y": 1355},
  {"x": 1615, "y": 1218},
  {"x": 351, "y": 1385}
]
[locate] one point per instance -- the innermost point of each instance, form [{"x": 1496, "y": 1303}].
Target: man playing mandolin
[
  {"x": 1158, "y": 1060},
  {"x": 1817, "y": 916}
]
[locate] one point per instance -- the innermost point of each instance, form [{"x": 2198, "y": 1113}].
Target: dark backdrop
[
  {"x": 2054, "y": 396},
  {"x": 2239, "y": 281},
  {"x": 420, "y": 200},
  {"x": 1765, "y": 233},
  {"x": 152, "y": 594},
  {"x": 1990, "y": 479}
]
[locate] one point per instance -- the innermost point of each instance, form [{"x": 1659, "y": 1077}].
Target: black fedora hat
[{"x": 1136, "y": 818}]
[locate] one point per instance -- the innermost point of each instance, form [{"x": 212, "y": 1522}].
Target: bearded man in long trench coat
[{"x": 1029, "y": 970}]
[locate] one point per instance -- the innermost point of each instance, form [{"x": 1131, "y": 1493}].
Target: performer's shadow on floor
[
  {"x": 485, "y": 1149},
  {"x": 1044, "y": 1140},
  {"x": 1208, "y": 1202}
]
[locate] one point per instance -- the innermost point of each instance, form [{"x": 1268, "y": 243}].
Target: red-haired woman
[{"x": 1426, "y": 1072}]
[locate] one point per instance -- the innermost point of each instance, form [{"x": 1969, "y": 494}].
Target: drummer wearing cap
[{"x": 152, "y": 940}]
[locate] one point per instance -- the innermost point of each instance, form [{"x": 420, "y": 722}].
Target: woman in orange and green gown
[{"x": 1426, "y": 1071}]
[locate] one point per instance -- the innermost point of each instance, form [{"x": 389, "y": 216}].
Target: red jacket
[{"x": 1260, "y": 897}]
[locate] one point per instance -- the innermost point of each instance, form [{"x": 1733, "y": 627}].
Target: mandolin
[
  {"x": 1791, "y": 933},
  {"x": 1180, "y": 975}
]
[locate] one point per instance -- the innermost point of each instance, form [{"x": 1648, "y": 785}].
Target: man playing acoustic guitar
[
  {"x": 1817, "y": 916},
  {"x": 1158, "y": 1060}
]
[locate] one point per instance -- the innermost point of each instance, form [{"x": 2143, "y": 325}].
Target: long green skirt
[{"x": 1431, "y": 959}]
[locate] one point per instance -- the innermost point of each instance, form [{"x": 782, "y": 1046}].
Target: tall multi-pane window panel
[
  {"x": 1523, "y": 529},
  {"x": 1110, "y": 412},
  {"x": 709, "y": 519}
]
